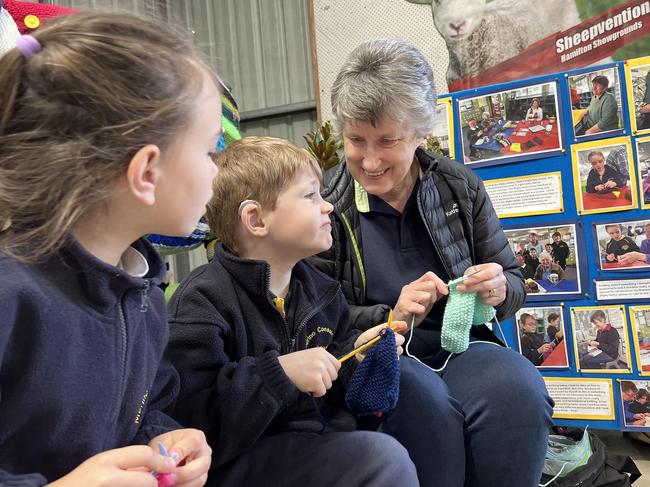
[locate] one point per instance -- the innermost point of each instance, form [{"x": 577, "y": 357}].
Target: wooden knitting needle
[{"x": 369, "y": 343}]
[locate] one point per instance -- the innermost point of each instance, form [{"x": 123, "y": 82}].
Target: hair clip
[
  {"x": 244, "y": 204},
  {"x": 28, "y": 45}
]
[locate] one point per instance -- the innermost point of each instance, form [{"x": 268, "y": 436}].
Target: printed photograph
[
  {"x": 541, "y": 336},
  {"x": 623, "y": 245},
  {"x": 442, "y": 134},
  {"x": 638, "y": 94},
  {"x": 499, "y": 127},
  {"x": 600, "y": 339},
  {"x": 548, "y": 258},
  {"x": 643, "y": 165},
  {"x": 635, "y": 398},
  {"x": 640, "y": 318},
  {"x": 603, "y": 175},
  {"x": 596, "y": 102}
]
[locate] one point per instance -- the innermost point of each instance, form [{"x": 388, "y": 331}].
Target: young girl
[{"x": 107, "y": 123}]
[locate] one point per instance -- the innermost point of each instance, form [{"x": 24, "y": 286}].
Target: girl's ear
[
  {"x": 143, "y": 173},
  {"x": 253, "y": 221}
]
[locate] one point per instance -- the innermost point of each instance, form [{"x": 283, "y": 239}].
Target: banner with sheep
[{"x": 472, "y": 43}]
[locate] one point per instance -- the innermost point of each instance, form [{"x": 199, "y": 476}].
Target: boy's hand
[
  {"x": 130, "y": 466},
  {"x": 190, "y": 451},
  {"x": 398, "y": 326},
  {"x": 417, "y": 298},
  {"x": 312, "y": 370}
]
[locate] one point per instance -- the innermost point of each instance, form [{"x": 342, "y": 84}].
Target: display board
[
  {"x": 471, "y": 43},
  {"x": 574, "y": 202}
]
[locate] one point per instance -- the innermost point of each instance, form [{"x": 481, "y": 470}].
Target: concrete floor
[{"x": 625, "y": 445}]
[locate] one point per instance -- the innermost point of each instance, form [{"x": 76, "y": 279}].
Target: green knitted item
[{"x": 462, "y": 311}]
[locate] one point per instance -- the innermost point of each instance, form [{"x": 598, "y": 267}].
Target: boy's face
[
  {"x": 530, "y": 325},
  {"x": 533, "y": 253},
  {"x": 549, "y": 247},
  {"x": 299, "y": 226},
  {"x": 614, "y": 232}
]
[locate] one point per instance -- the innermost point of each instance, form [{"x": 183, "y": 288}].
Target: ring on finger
[{"x": 492, "y": 293}]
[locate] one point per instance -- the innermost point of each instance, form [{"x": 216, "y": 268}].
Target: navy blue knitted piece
[{"x": 374, "y": 386}]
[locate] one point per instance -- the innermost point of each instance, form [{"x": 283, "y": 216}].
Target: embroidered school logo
[
  {"x": 143, "y": 403},
  {"x": 454, "y": 209},
  {"x": 320, "y": 330}
]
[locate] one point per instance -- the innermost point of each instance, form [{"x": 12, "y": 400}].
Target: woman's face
[
  {"x": 600, "y": 324},
  {"x": 535, "y": 104},
  {"x": 380, "y": 157}
]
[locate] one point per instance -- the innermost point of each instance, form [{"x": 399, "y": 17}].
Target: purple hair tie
[{"x": 28, "y": 45}]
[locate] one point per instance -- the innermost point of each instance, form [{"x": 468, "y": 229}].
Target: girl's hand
[
  {"x": 190, "y": 451},
  {"x": 130, "y": 466}
]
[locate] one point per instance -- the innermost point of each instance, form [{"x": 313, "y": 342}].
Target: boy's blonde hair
[
  {"x": 253, "y": 168},
  {"x": 74, "y": 114}
]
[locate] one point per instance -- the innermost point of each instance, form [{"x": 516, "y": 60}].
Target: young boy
[
  {"x": 533, "y": 346},
  {"x": 554, "y": 329},
  {"x": 619, "y": 244},
  {"x": 256, "y": 335}
]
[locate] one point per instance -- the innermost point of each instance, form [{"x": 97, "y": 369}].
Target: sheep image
[{"x": 481, "y": 34}]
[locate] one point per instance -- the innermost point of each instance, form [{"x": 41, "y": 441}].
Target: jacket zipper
[
  {"x": 286, "y": 343},
  {"x": 123, "y": 332},
  {"x": 433, "y": 240}
]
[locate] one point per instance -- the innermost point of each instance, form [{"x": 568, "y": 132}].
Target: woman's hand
[
  {"x": 417, "y": 298},
  {"x": 631, "y": 257},
  {"x": 488, "y": 281},
  {"x": 190, "y": 450}
]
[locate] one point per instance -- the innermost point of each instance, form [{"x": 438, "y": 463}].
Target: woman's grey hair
[
  {"x": 385, "y": 78},
  {"x": 545, "y": 255}
]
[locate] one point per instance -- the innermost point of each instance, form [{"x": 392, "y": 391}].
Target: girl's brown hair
[{"x": 74, "y": 114}]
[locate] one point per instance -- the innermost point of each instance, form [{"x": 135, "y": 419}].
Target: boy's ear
[
  {"x": 143, "y": 173},
  {"x": 253, "y": 221}
]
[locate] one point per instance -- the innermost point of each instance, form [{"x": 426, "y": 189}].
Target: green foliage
[
  {"x": 433, "y": 145},
  {"x": 323, "y": 146}
]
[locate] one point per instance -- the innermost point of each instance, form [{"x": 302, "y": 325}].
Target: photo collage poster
[{"x": 565, "y": 159}]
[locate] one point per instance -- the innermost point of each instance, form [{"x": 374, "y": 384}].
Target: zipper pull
[
  {"x": 144, "y": 301},
  {"x": 292, "y": 344}
]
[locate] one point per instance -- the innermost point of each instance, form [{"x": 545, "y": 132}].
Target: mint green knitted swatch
[{"x": 461, "y": 312}]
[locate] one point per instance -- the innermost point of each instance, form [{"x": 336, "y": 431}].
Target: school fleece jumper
[
  {"x": 81, "y": 370},
  {"x": 226, "y": 337}
]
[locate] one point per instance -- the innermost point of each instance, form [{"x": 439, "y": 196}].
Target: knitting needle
[
  {"x": 369, "y": 343},
  {"x": 468, "y": 275}
]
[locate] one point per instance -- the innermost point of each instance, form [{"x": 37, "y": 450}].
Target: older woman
[
  {"x": 404, "y": 223},
  {"x": 534, "y": 112}
]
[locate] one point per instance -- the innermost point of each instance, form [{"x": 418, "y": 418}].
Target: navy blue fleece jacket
[
  {"x": 81, "y": 369},
  {"x": 226, "y": 336}
]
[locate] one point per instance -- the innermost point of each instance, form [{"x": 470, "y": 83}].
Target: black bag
[{"x": 603, "y": 469}]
